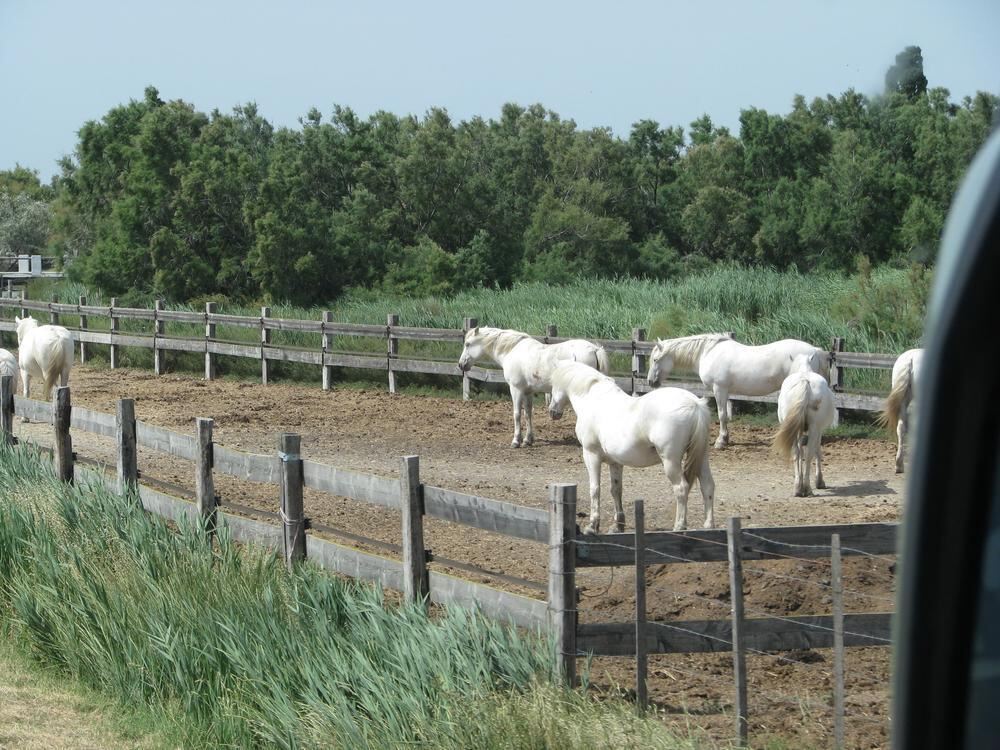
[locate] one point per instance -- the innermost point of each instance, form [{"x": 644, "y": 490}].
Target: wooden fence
[{"x": 390, "y": 361}]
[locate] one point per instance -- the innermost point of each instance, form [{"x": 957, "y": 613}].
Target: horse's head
[
  {"x": 473, "y": 349},
  {"x": 661, "y": 362},
  {"x": 560, "y": 394},
  {"x": 808, "y": 363},
  {"x": 24, "y": 325}
]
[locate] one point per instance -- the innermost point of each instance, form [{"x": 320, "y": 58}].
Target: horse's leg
[
  {"x": 722, "y": 404},
  {"x": 615, "y": 470},
  {"x": 900, "y": 437},
  {"x": 517, "y": 397},
  {"x": 25, "y": 388},
  {"x": 707, "y": 483},
  {"x": 817, "y": 451},
  {"x": 804, "y": 464},
  {"x": 593, "y": 463},
  {"x": 529, "y": 435},
  {"x": 675, "y": 475}
]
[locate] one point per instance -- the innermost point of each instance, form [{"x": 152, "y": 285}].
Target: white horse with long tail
[
  {"x": 895, "y": 413},
  {"x": 527, "y": 366},
  {"x": 805, "y": 409},
  {"x": 729, "y": 367},
  {"x": 669, "y": 426},
  {"x": 44, "y": 351}
]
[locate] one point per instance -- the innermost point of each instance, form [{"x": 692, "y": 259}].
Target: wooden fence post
[
  {"x": 735, "y": 542},
  {"x": 204, "y": 483},
  {"x": 7, "y": 408},
  {"x": 392, "y": 348},
  {"x": 83, "y": 327},
  {"x": 640, "y": 362},
  {"x": 24, "y": 296},
  {"x": 551, "y": 332},
  {"x": 641, "y": 696},
  {"x": 562, "y": 577},
  {"x": 61, "y": 412},
  {"x": 159, "y": 329},
  {"x": 836, "y": 374},
  {"x": 114, "y": 329},
  {"x": 209, "y": 335},
  {"x": 265, "y": 341},
  {"x": 327, "y": 369},
  {"x": 53, "y": 315},
  {"x": 292, "y": 515},
  {"x": 128, "y": 470},
  {"x": 837, "y": 594},
  {"x": 467, "y": 325},
  {"x": 416, "y": 582}
]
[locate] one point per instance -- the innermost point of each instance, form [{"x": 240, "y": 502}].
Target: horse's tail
[
  {"x": 793, "y": 426},
  {"x": 898, "y": 398},
  {"x": 697, "y": 446},
  {"x": 602, "y": 360}
]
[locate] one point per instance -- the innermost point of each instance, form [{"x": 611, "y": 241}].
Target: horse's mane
[
  {"x": 687, "y": 351},
  {"x": 502, "y": 340},
  {"x": 577, "y": 378}
]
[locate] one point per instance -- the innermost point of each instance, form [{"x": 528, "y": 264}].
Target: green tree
[{"x": 24, "y": 224}]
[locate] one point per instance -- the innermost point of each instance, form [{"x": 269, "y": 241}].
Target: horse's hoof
[
  {"x": 720, "y": 444},
  {"x": 821, "y": 485},
  {"x": 591, "y": 529},
  {"x": 515, "y": 443},
  {"x": 620, "y": 528},
  {"x": 678, "y": 527},
  {"x": 529, "y": 441},
  {"x": 899, "y": 469},
  {"x": 708, "y": 525}
]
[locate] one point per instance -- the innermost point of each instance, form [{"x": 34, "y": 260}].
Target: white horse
[
  {"x": 729, "y": 367},
  {"x": 895, "y": 412},
  {"x": 805, "y": 409},
  {"x": 43, "y": 351},
  {"x": 8, "y": 366},
  {"x": 527, "y": 366},
  {"x": 668, "y": 426}
]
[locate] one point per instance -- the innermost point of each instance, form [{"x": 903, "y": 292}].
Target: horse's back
[
  {"x": 751, "y": 370},
  {"x": 46, "y": 349}
]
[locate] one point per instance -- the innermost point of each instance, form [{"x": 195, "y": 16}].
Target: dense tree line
[{"x": 160, "y": 197}]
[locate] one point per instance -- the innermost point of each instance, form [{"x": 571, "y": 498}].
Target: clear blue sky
[{"x": 63, "y": 62}]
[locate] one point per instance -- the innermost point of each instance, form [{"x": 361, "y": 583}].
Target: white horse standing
[
  {"x": 43, "y": 351},
  {"x": 527, "y": 366},
  {"x": 895, "y": 413},
  {"x": 805, "y": 409},
  {"x": 668, "y": 426},
  {"x": 729, "y": 367}
]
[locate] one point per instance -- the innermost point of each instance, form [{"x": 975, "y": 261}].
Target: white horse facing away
[
  {"x": 669, "y": 426},
  {"x": 8, "y": 366},
  {"x": 44, "y": 351},
  {"x": 729, "y": 367},
  {"x": 895, "y": 413},
  {"x": 527, "y": 366},
  {"x": 805, "y": 409}
]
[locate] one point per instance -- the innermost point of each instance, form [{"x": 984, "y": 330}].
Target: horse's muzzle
[{"x": 464, "y": 366}]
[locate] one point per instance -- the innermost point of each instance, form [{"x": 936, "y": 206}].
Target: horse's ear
[
  {"x": 659, "y": 341},
  {"x": 475, "y": 331}
]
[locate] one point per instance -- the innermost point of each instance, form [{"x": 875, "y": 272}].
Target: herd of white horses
[{"x": 668, "y": 425}]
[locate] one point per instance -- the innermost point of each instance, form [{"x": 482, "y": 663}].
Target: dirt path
[{"x": 465, "y": 446}]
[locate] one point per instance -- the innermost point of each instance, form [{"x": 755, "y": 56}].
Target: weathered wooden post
[
  {"x": 7, "y": 408},
  {"x": 640, "y": 362},
  {"x": 467, "y": 325},
  {"x": 265, "y": 341},
  {"x": 159, "y": 330},
  {"x": 292, "y": 515},
  {"x": 734, "y": 538},
  {"x": 392, "y": 349},
  {"x": 204, "y": 482},
  {"x": 61, "y": 412},
  {"x": 551, "y": 332},
  {"x": 24, "y": 297},
  {"x": 836, "y": 373},
  {"x": 53, "y": 313},
  {"x": 641, "y": 648},
  {"x": 83, "y": 328},
  {"x": 113, "y": 332},
  {"x": 416, "y": 582},
  {"x": 327, "y": 369},
  {"x": 209, "y": 335},
  {"x": 837, "y": 594},
  {"x": 562, "y": 576},
  {"x": 128, "y": 469}
]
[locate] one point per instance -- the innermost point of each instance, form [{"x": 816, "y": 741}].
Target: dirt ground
[{"x": 465, "y": 446}]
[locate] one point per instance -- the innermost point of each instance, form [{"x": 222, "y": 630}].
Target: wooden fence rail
[{"x": 389, "y": 361}]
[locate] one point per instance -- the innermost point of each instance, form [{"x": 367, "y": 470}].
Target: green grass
[{"x": 236, "y": 652}]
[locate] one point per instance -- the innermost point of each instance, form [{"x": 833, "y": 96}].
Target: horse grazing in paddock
[
  {"x": 8, "y": 366},
  {"x": 895, "y": 413},
  {"x": 527, "y": 366},
  {"x": 43, "y": 351},
  {"x": 805, "y": 409},
  {"x": 729, "y": 367},
  {"x": 668, "y": 426}
]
